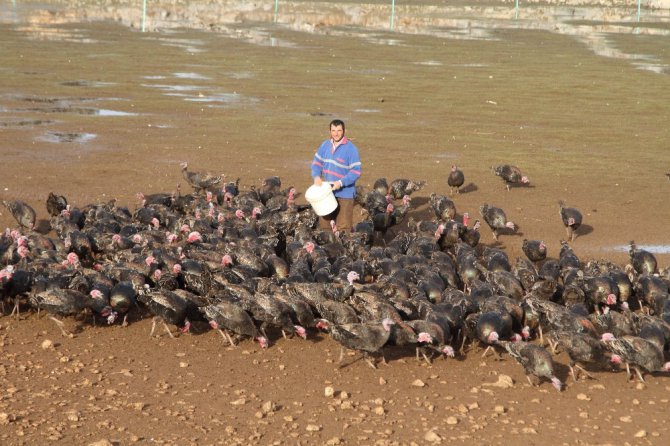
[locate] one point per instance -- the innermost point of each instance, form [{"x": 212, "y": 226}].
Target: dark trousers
[{"x": 343, "y": 216}]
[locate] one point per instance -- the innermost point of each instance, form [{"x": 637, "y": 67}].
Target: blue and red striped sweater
[{"x": 343, "y": 164}]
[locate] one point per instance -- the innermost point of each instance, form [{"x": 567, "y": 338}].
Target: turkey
[
  {"x": 22, "y": 213},
  {"x": 166, "y": 306},
  {"x": 642, "y": 260},
  {"x": 56, "y": 204},
  {"x": 536, "y": 361},
  {"x": 382, "y": 221},
  {"x": 455, "y": 179},
  {"x": 401, "y": 187},
  {"x": 638, "y": 352},
  {"x": 226, "y": 316},
  {"x": 582, "y": 348},
  {"x": 496, "y": 219},
  {"x": 62, "y": 302},
  {"x": 199, "y": 180},
  {"x": 510, "y": 175},
  {"x": 535, "y": 250},
  {"x": 572, "y": 220},
  {"x": 381, "y": 186},
  {"x": 443, "y": 207},
  {"x": 368, "y": 338}
]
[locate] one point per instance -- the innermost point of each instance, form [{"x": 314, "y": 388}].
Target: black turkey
[
  {"x": 455, "y": 179},
  {"x": 401, "y": 187},
  {"x": 381, "y": 186},
  {"x": 642, "y": 260},
  {"x": 227, "y": 316},
  {"x": 368, "y": 338},
  {"x": 22, "y": 213},
  {"x": 56, "y": 204},
  {"x": 536, "y": 361},
  {"x": 199, "y": 180},
  {"x": 572, "y": 220},
  {"x": 63, "y": 302},
  {"x": 443, "y": 207},
  {"x": 583, "y": 349},
  {"x": 496, "y": 219},
  {"x": 511, "y": 175},
  {"x": 639, "y": 353},
  {"x": 535, "y": 250}
]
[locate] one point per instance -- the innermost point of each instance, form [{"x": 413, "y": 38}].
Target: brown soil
[{"x": 587, "y": 129}]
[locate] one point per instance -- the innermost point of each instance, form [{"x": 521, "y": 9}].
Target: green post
[
  {"x": 144, "y": 13},
  {"x": 392, "y": 13},
  {"x": 516, "y": 9},
  {"x": 276, "y": 10},
  {"x": 638, "y": 9}
]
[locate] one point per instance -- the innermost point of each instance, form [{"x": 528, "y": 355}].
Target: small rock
[
  {"x": 463, "y": 409},
  {"x": 329, "y": 391},
  {"x": 183, "y": 365},
  {"x": 47, "y": 344},
  {"x": 344, "y": 395},
  {"x": 473, "y": 406},
  {"x": 101, "y": 443},
  {"x": 529, "y": 430},
  {"x": 382, "y": 381},
  {"x": 583, "y": 414},
  {"x": 641, "y": 434},
  {"x": 268, "y": 407},
  {"x": 239, "y": 402},
  {"x": 499, "y": 409},
  {"x": 6, "y": 418},
  {"x": 432, "y": 437},
  {"x": 379, "y": 410},
  {"x": 334, "y": 441},
  {"x": 313, "y": 428},
  {"x": 583, "y": 397},
  {"x": 452, "y": 420},
  {"x": 259, "y": 414},
  {"x": 504, "y": 382},
  {"x": 640, "y": 386},
  {"x": 418, "y": 383},
  {"x": 626, "y": 419}
]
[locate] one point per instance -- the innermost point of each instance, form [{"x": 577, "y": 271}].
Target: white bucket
[{"x": 321, "y": 198}]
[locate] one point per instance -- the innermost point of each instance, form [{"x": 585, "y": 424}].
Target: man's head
[{"x": 337, "y": 130}]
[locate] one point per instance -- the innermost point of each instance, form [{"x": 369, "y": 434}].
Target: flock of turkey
[{"x": 250, "y": 264}]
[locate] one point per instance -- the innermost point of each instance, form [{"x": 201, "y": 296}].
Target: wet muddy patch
[{"x": 66, "y": 137}]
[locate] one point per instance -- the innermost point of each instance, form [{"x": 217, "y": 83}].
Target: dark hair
[{"x": 336, "y": 123}]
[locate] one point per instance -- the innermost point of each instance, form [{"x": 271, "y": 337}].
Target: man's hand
[{"x": 337, "y": 185}]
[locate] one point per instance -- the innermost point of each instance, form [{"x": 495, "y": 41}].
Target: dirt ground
[{"x": 96, "y": 111}]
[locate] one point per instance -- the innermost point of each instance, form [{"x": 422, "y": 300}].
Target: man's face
[{"x": 336, "y": 133}]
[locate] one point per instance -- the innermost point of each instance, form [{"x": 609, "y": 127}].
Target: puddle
[
  {"x": 85, "y": 83},
  {"x": 654, "y": 249},
  {"x": 191, "y": 76},
  {"x": 106, "y": 112},
  {"x": 228, "y": 98},
  {"x": 80, "y": 111},
  {"x": 63, "y": 137},
  {"x": 429, "y": 63},
  {"x": 166, "y": 87},
  {"x": 26, "y": 123}
]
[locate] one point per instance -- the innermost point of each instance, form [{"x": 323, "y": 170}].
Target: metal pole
[
  {"x": 392, "y": 13},
  {"x": 516, "y": 9},
  {"x": 144, "y": 13},
  {"x": 276, "y": 10},
  {"x": 638, "y": 9}
]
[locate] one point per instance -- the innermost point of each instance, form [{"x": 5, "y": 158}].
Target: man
[{"x": 337, "y": 162}]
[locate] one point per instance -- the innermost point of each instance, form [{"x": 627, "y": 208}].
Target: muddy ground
[{"x": 96, "y": 111}]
